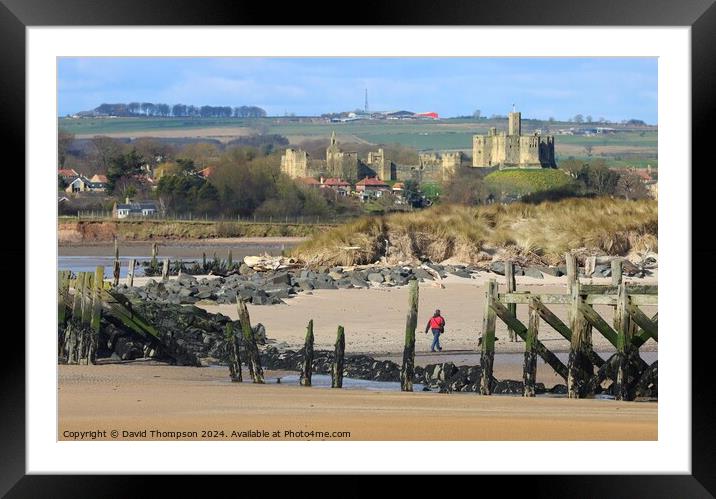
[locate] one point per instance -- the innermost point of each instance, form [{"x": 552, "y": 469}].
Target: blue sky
[{"x": 613, "y": 88}]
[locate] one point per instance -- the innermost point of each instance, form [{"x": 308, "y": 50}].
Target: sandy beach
[
  {"x": 142, "y": 397},
  {"x": 374, "y": 319}
]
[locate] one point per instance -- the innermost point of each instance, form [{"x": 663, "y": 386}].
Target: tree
[
  {"x": 630, "y": 186},
  {"x": 589, "y": 118},
  {"x": 64, "y": 141},
  {"x": 125, "y": 166},
  {"x": 476, "y": 114},
  {"x": 106, "y": 148},
  {"x": 578, "y": 118},
  {"x": 600, "y": 179}
]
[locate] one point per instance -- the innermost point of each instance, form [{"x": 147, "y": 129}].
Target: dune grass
[{"x": 533, "y": 232}]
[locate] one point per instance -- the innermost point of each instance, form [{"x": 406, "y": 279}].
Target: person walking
[{"x": 437, "y": 325}]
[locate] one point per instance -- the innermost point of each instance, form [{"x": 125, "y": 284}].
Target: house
[
  {"x": 136, "y": 209},
  {"x": 67, "y": 174},
  {"x": 371, "y": 187},
  {"x": 309, "y": 182},
  {"x": 342, "y": 187},
  {"x": 398, "y": 188},
  {"x": 83, "y": 184},
  {"x": 99, "y": 179}
]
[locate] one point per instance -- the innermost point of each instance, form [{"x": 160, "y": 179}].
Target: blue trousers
[{"x": 436, "y": 340}]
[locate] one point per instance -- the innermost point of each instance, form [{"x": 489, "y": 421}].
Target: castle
[
  {"x": 500, "y": 150},
  {"x": 512, "y": 149}
]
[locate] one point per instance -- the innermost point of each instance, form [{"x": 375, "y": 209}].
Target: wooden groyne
[{"x": 631, "y": 328}]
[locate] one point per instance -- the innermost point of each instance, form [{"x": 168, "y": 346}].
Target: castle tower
[{"x": 514, "y": 123}]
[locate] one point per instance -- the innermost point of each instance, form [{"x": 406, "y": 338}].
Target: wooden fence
[{"x": 631, "y": 328}]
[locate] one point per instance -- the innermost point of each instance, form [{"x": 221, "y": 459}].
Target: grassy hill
[{"x": 522, "y": 182}]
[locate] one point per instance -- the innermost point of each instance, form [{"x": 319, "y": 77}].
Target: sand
[
  {"x": 141, "y": 397},
  {"x": 374, "y": 319}
]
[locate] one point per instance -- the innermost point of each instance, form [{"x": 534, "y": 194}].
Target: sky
[{"x": 558, "y": 87}]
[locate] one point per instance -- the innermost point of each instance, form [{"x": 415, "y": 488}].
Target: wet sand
[{"x": 137, "y": 397}]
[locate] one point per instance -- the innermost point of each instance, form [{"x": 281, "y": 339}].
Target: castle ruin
[{"x": 512, "y": 149}]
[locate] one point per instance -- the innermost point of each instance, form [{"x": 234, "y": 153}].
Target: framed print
[{"x": 434, "y": 235}]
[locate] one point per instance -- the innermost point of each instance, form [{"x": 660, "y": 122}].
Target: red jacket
[{"x": 436, "y": 322}]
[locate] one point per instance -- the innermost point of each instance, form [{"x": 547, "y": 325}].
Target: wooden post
[
  {"x": 116, "y": 263},
  {"x": 96, "y": 317},
  {"x": 580, "y": 369},
  {"x": 130, "y": 272},
  {"x": 338, "y": 360},
  {"x": 63, "y": 288},
  {"x": 253, "y": 361},
  {"x": 232, "y": 340},
  {"x": 617, "y": 270},
  {"x": 165, "y": 270},
  {"x": 529, "y": 372},
  {"x": 86, "y": 314},
  {"x": 155, "y": 252},
  {"x": 511, "y": 288},
  {"x": 203, "y": 261},
  {"x": 625, "y": 347},
  {"x": 407, "y": 370},
  {"x": 589, "y": 265},
  {"x": 487, "y": 354},
  {"x": 571, "y": 263},
  {"x": 307, "y": 368},
  {"x": 229, "y": 260}
]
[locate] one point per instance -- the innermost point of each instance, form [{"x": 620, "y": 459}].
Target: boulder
[
  {"x": 533, "y": 272},
  {"x": 376, "y": 277}
]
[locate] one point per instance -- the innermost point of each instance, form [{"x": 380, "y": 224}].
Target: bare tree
[
  {"x": 631, "y": 187},
  {"x": 64, "y": 141}
]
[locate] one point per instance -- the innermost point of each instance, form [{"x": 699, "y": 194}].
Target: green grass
[
  {"x": 525, "y": 232},
  {"x": 521, "y": 182}
]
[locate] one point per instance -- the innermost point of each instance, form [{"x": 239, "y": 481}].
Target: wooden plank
[
  {"x": 253, "y": 359},
  {"x": 643, "y": 321},
  {"x": 580, "y": 369},
  {"x": 617, "y": 270},
  {"x": 524, "y": 298},
  {"x": 511, "y": 288},
  {"x": 642, "y": 336},
  {"x": 600, "y": 324},
  {"x": 556, "y": 323},
  {"x": 521, "y": 330},
  {"x": 130, "y": 272},
  {"x": 407, "y": 369},
  {"x": 633, "y": 289},
  {"x": 529, "y": 368},
  {"x": 643, "y": 300},
  {"x": 487, "y": 351},
  {"x": 307, "y": 368},
  {"x": 338, "y": 359},
  {"x": 625, "y": 348},
  {"x": 232, "y": 340}
]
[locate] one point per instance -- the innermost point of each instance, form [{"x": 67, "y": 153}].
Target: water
[{"x": 324, "y": 381}]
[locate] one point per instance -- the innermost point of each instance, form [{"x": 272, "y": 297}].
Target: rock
[
  {"x": 533, "y": 272},
  {"x": 648, "y": 384},
  {"x": 423, "y": 274},
  {"x": 553, "y": 271},
  {"x": 459, "y": 273},
  {"x": 376, "y": 277},
  {"x": 559, "y": 389},
  {"x": 358, "y": 282},
  {"x": 497, "y": 268}
]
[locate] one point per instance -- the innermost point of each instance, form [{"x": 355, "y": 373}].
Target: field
[{"x": 625, "y": 148}]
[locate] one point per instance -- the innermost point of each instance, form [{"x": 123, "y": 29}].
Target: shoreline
[{"x": 135, "y": 398}]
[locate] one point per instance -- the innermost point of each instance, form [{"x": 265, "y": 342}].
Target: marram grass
[{"x": 539, "y": 232}]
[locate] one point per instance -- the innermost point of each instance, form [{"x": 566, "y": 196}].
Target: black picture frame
[{"x": 700, "y": 15}]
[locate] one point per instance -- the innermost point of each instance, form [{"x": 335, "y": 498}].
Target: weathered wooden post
[
  {"x": 252, "y": 350},
  {"x": 617, "y": 271},
  {"x": 511, "y": 288},
  {"x": 307, "y": 368},
  {"x": 487, "y": 354},
  {"x": 580, "y": 369},
  {"x": 338, "y": 360},
  {"x": 84, "y": 337},
  {"x": 165, "y": 270},
  {"x": 74, "y": 324},
  {"x": 130, "y": 272},
  {"x": 63, "y": 288},
  {"x": 407, "y": 371},
  {"x": 232, "y": 340},
  {"x": 529, "y": 372},
  {"x": 155, "y": 252},
  {"x": 229, "y": 260},
  {"x": 203, "y": 261},
  {"x": 571, "y": 264},
  {"x": 116, "y": 263},
  {"x": 625, "y": 348},
  {"x": 590, "y": 263},
  {"x": 96, "y": 317}
]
